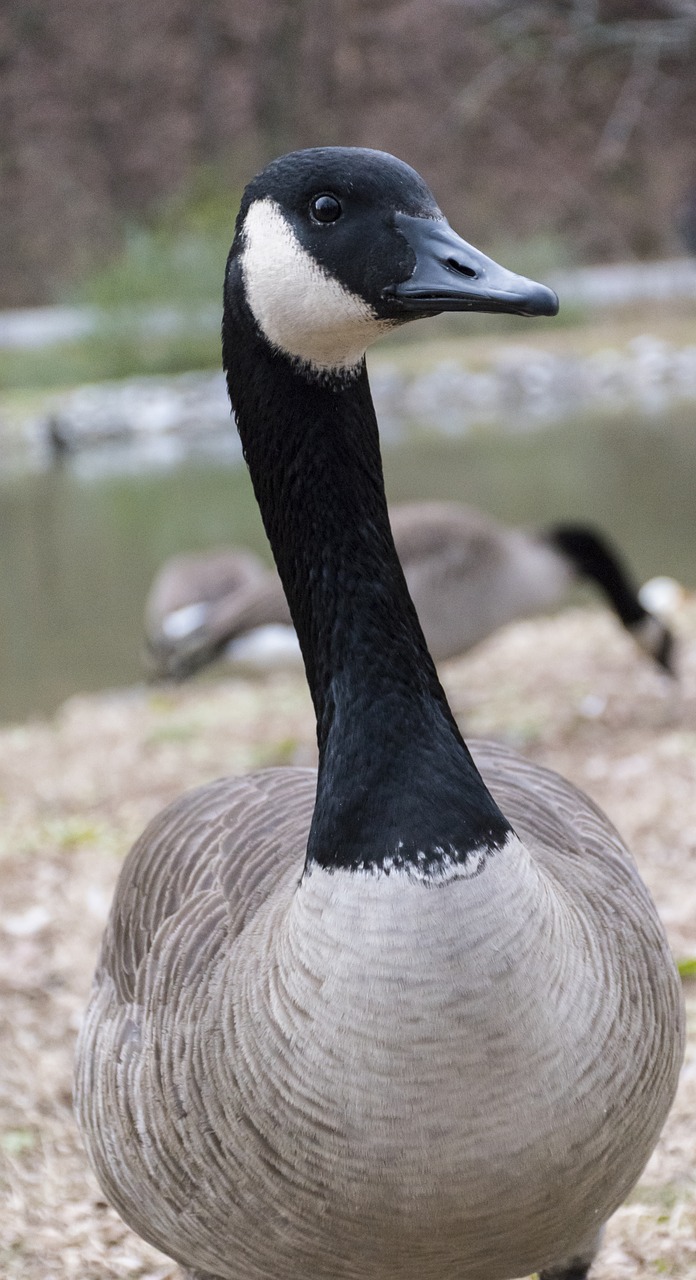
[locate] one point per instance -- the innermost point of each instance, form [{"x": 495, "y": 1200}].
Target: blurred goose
[
  {"x": 203, "y": 604},
  {"x": 467, "y": 575},
  {"x": 413, "y": 1017}
]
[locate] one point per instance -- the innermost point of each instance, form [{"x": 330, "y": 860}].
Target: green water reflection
[{"x": 77, "y": 556}]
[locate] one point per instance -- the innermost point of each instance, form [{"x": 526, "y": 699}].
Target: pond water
[{"x": 77, "y": 553}]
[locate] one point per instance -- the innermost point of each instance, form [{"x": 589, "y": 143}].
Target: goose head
[
  {"x": 335, "y": 246},
  {"x": 332, "y": 248}
]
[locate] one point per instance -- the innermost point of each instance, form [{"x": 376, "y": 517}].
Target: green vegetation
[
  {"x": 177, "y": 260},
  {"x": 157, "y": 301},
  {"x": 118, "y": 349},
  {"x": 16, "y": 1141},
  {"x": 536, "y": 256}
]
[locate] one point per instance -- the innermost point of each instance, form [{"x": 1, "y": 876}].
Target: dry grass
[{"x": 569, "y": 691}]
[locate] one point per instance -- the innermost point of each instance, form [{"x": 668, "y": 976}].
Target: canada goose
[
  {"x": 398, "y": 1018},
  {"x": 467, "y": 575},
  {"x": 198, "y": 602}
]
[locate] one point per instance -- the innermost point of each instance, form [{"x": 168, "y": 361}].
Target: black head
[
  {"x": 335, "y": 245},
  {"x": 662, "y": 646}
]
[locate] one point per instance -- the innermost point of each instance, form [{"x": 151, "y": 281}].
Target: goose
[
  {"x": 412, "y": 1015},
  {"x": 202, "y": 604},
  {"x": 467, "y": 575}
]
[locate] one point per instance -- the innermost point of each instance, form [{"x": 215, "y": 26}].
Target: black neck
[
  {"x": 396, "y": 783},
  {"x": 594, "y": 558}
]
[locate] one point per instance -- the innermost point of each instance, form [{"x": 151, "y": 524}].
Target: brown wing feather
[
  {"x": 446, "y": 534},
  {"x": 230, "y": 840},
  {"x": 544, "y": 808}
]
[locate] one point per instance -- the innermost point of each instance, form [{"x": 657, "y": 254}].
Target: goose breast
[{"x": 356, "y": 1069}]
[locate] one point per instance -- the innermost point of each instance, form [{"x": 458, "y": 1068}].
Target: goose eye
[{"x": 325, "y": 209}]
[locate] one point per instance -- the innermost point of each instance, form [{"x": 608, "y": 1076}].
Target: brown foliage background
[{"x": 573, "y": 117}]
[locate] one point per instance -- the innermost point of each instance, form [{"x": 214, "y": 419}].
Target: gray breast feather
[
  {"x": 232, "y": 1065},
  {"x": 238, "y": 837}
]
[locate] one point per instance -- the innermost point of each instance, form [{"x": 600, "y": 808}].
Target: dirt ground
[{"x": 570, "y": 691}]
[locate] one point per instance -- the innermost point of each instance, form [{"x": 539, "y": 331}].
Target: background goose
[
  {"x": 413, "y": 1016},
  {"x": 467, "y": 575},
  {"x": 201, "y": 604}
]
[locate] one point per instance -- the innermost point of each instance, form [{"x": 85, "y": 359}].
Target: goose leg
[{"x": 577, "y": 1266}]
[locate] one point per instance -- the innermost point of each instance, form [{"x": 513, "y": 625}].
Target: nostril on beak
[{"x": 460, "y": 268}]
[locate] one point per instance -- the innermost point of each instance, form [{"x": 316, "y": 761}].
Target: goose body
[
  {"x": 467, "y": 575},
  {"x": 225, "y": 600},
  {"x": 413, "y": 1015},
  {"x": 390, "y": 1080}
]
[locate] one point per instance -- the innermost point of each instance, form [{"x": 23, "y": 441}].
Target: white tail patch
[{"x": 299, "y": 307}]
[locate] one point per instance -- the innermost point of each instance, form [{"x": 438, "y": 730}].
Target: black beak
[{"x": 450, "y": 275}]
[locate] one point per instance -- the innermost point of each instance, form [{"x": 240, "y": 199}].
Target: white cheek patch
[{"x": 299, "y": 307}]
